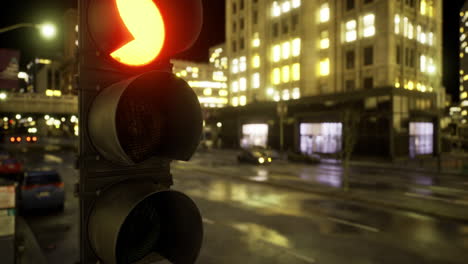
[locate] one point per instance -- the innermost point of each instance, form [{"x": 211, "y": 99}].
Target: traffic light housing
[{"x": 136, "y": 117}]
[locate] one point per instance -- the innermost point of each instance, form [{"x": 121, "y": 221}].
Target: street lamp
[
  {"x": 3, "y": 96},
  {"x": 47, "y": 30}
]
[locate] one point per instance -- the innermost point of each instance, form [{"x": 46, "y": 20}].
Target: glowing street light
[
  {"x": 47, "y": 30},
  {"x": 3, "y": 96}
]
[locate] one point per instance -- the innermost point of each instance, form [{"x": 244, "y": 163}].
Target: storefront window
[
  {"x": 254, "y": 135},
  {"x": 421, "y": 138},
  {"x": 321, "y": 138}
]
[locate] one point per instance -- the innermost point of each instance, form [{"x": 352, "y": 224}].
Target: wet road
[{"x": 257, "y": 223}]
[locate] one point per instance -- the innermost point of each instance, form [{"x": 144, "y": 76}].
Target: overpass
[{"x": 32, "y": 103}]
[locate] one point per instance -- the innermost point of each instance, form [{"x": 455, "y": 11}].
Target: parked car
[
  {"x": 42, "y": 190},
  {"x": 10, "y": 168},
  {"x": 255, "y": 155}
]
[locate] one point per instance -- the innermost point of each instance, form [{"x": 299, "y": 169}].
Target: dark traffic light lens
[{"x": 139, "y": 233}]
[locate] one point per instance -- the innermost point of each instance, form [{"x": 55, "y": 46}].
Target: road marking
[
  {"x": 208, "y": 221},
  {"x": 353, "y": 224}
]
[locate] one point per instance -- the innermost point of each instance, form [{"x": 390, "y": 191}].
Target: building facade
[
  {"x": 464, "y": 63},
  {"x": 319, "y": 58},
  {"x": 205, "y": 80}
]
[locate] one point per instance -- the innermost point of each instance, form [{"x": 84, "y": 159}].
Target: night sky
[{"x": 31, "y": 44}]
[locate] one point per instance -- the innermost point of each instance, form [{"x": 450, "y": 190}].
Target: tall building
[
  {"x": 210, "y": 88},
  {"x": 283, "y": 50},
  {"x": 464, "y": 63},
  {"x": 318, "y": 58}
]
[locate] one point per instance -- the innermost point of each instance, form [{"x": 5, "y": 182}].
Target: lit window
[
  {"x": 286, "y": 6},
  {"x": 423, "y": 63},
  {"x": 256, "y": 41},
  {"x": 369, "y": 27},
  {"x": 324, "y": 40},
  {"x": 430, "y": 40},
  {"x": 235, "y": 66},
  {"x": 324, "y": 67},
  {"x": 285, "y": 95},
  {"x": 423, "y": 7},
  {"x": 410, "y": 31},
  {"x": 243, "y": 64},
  {"x": 324, "y": 13},
  {"x": 296, "y": 93},
  {"x": 296, "y": 3},
  {"x": 276, "y": 76},
  {"x": 405, "y": 26},
  {"x": 235, "y": 87},
  {"x": 277, "y": 97},
  {"x": 276, "y": 53},
  {"x": 286, "y": 50},
  {"x": 235, "y": 101},
  {"x": 397, "y": 24},
  {"x": 463, "y": 95},
  {"x": 276, "y": 9},
  {"x": 296, "y": 72},
  {"x": 256, "y": 61},
  {"x": 296, "y": 47},
  {"x": 351, "y": 30},
  {"x": 285, "y": 74},
  {"x": 243, "y": 100},
  {"x": 256, "y": 80},
  {"x": 431, "y": 68},
  {"x": 242, "y": 84},
  {"x": 270, "y": 91},
  {"x": 207, "y": 92}
]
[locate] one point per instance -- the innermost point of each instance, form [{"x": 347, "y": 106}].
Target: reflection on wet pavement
[{"x": 313, "y": 226}]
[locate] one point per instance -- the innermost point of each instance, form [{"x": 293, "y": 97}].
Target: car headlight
[
  {"x": 261, "y": 160},
  {"x": 269, "y": 159}
]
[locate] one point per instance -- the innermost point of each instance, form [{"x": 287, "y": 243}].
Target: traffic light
[{"x": 136, "y": 117}]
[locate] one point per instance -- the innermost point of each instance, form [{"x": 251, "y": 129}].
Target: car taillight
[
  {"x": 59, "y": 184},
  {"x": 12, "y": 140},
  {"x": 18, "y": 139},
  {"x": 34, "y": 139},
  {"x": 28, "y": 139}
]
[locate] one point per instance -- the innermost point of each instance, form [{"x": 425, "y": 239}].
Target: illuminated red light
[
  {"x": 34, "y": 139},
  {"x": 12, "y": 139},
  {"x": 144, "y": 21},
  {"x": 18, "y": 139},
  {"x": 28, "y": 139}
]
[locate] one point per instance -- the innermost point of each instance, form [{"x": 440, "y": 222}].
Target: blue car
[{"x": 42, "y": 190}]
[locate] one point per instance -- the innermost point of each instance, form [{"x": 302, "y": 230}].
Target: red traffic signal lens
[
  {"x": 139, "y": 32},
  {"x": 145, "y": 23}
]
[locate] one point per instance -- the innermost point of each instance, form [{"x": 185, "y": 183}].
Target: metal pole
[{"x": 16, "y": 26}]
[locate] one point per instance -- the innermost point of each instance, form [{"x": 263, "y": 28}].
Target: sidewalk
[
  {"x": 378, "y": 197},
  {"x": 29, "y": 251}
]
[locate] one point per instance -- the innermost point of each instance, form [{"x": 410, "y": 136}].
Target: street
[{"x": 252, "y": 221}]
